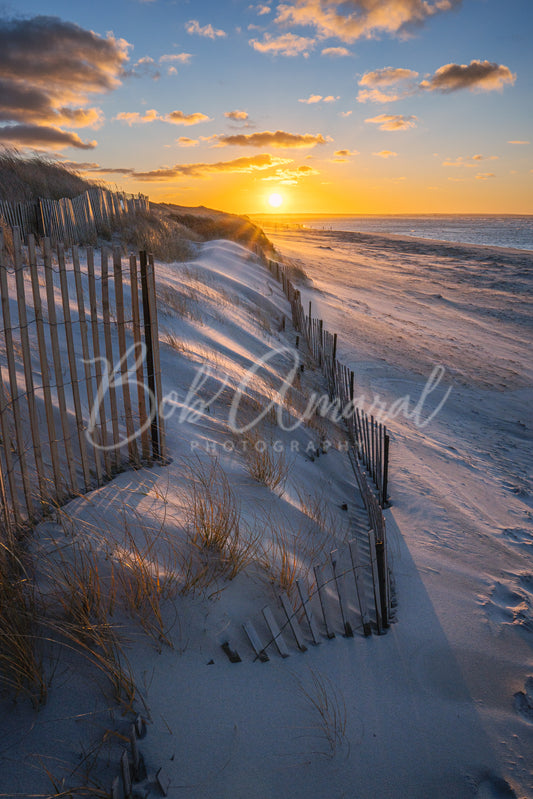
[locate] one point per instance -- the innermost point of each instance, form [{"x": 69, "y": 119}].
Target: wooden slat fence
[
  {"x": 75, "y": 340},
  {"x": 71, "y": 221}
]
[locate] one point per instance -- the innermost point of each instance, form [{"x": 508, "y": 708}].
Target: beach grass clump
[
  {"x": 264, "y": 463},
  {"x": 328, "y": 707},
  {"x": 21, "y": 662}
]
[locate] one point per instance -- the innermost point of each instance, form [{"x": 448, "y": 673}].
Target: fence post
[
  {"x": 109, "y": 357},
  {"x": 384, "y": 497},
  {"x": 93, "y": 305},
  {"x": 126, "y": 398},
  {"x": 141, "y": 396}
]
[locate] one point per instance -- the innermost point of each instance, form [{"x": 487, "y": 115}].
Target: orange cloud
[
  {"x": 255, "y": 163},
  {"x": 134, "y": 118},
  {"x": 387, "y": 76},
  {"x": 386, "y": 154},
  {"x": 470, "y": 161},
  {"x": 193, "y": 26},
  {"x": 291, "y": 177},
  {"x": 279, "y": 138},
  {"x": 353, "y": 19},
  {"x": 341, "y": 156},
  {"x": 179, "y": 118},
  {"x": 184, "y": 141},
  {"x": 43, "y": 136},
  {"x": 287, "y": 44},
  {"x": 478, "y": 75},
  {"x": 237, "y": 115},
  {"x": 179, "y": 58},
  {"x": 336, "y": 52},
  {"x": 485, "y": 175},
  {"x": 393, "y": 121}
]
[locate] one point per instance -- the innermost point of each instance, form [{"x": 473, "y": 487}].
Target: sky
[{"x": 303, "y": 106}]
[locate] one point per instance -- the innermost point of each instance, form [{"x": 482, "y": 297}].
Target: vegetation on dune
[{"x": 23, "y": 179}]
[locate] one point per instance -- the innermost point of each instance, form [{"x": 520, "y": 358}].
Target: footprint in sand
[
  {"x": 506, "y": 606},
  {"x": 523, "y": 700}
]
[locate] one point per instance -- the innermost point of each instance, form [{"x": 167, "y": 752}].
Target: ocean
[{"x": 490, "y": 230}]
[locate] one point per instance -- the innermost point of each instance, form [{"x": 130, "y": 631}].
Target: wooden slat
[
  {"x": 45, "y": 372},
  {"x": 157, "y": 362},
  {"x": 141, "y": 389},
  {"x": 276, "y": 632},
  {"x": 82, "y": 441},
  {"x": 28, "y": 370},
  {"x": 348, "y": 632},
  {"x": 375, "y": 580},
  {"x": 58, "y": 368},
  {"x": 255, "y": 641},
  {"x": 115, "y": 455},
  {"x": 360, "y": 588},
  {"x": 86, "y": 354},
  {"x": 321, "y": 588},
  {"x": 148, "y": 340},
  {"x": 6, "y": 445},
  {"x": 304, "y": 598},
  {"x": 126, "y": 397},
  {"x": 95, "y": 333},
  {"x": 13, "y": 386},
  {"x": 292, "y": 621}
]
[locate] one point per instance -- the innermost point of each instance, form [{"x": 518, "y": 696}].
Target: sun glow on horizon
[{"x": 275, "y": 200}]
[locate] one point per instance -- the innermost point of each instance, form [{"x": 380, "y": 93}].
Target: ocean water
[{"x": 490, "y": 230}]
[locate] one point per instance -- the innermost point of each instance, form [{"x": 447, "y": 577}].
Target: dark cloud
[
  {"x": 42, "y": 136},
  {"x": 48, "y": 70},
  {"x": 278, "y": 138},
  {"x": 482, "y": 75}
]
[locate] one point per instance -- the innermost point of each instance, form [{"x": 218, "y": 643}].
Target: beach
[{"x": 441, "y": 704}]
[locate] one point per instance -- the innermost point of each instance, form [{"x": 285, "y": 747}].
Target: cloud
[
  {"x": 291, "y": 177},
  {"x": 387, "y": 76},
  {"x": 262, "y": 10},
  {"x": 184, "y": 141},
  {"x": 478, "y": 75},
  {"x": 317, "y": 98},
  {"x": 287, "y": 44},
  {"x": 336, "y": 52},
  {"x": 249, "y": 164},
  {"x": 179, "y": 118},
  {"x": 193, "y": 26},
  {"x": 48, "y": 70},
  {"x": 469, "y": 161},
  {"x": 180, "y": 58},
  {"x": 134, "y": 118},
  {"x": 393, "y": 121},
  {"x": 341, "y": 156},
  {"x": 43, "y": 136},
  {"x": 485, "y": 175},
  {"x": 237, "y": 115},
  {"x": 346, "y": 113},
  {"x": 267, "y": 138},
  {"x": 386, "y": 154},
  {"x": 517, "y": 141},
  {"x": 349, "y": 20}
]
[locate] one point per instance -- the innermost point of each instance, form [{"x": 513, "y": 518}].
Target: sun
[{"x": 275, "y": 200}]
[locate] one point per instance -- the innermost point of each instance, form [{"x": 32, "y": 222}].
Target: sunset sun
[{"x": 275, "y": 200}]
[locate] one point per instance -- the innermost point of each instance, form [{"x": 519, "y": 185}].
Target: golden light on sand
[{"x": 275, "y": 200}]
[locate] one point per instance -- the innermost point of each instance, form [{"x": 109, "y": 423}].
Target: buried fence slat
[
  {"x": 115, "y": 789},
  {"x": 360, "y": 588},
  {"x": 28, "y": 371},
  {"x": 276, "y": 632},
  {"x": 85, "y": 350},
  {"x": 58, "y": 368},
  {"x": 321, "y": 588},
  {"x": 375, "y": 580},
  {"x": 348, "y": 632},
  {"x": 73, "y": 369},
  {"x": 385, "y": 486},
  {"x": 381, "y": 559},
  {"x": 13, "y": 387},
  {"x": 45, "y": 372},
  {"x": 138, "y": 351},
  {"x": 93, "y": 306},
  {"x": 304, "y": 598},
  {"x": 293, "y": 622},
  {"x": 123, "y": 357},
  {"x": 255, "y": 641},
  {"x": 109, "y": 357}
]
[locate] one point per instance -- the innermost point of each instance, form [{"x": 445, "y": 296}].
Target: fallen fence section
[{"x": 80, "y": 381}]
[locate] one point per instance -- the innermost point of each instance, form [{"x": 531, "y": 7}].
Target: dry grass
[
  {"x": 23, "y": 178},
  {"x": 21, "y": 663},
  {"x": 329, "y": 709},
  {"x": 266, "y": 465}
]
